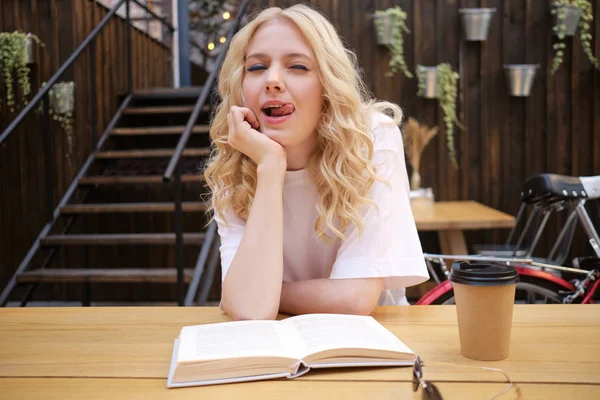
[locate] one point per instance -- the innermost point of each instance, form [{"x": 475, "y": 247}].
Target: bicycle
[{"x": 540, "y": 279}]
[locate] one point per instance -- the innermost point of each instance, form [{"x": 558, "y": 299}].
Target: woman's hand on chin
[{"x": 245, "y": 137}]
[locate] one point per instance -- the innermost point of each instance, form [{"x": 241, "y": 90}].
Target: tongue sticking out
[{"x": 286, "y": 109}]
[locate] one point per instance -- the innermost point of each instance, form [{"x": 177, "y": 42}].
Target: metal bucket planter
[
  {"x": 520, "y": 78},
  {"x": 385, "y": 34},
  {"x": 571, "y": 20},
  {"x": 63, "y": 98},
  {"x": 29, "y": 50},
  {"x": 430, "y": 84},
  {"x": 476, "y": 22}
]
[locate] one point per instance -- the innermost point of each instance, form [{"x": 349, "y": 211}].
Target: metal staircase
[{"x": 154, "y": 148}]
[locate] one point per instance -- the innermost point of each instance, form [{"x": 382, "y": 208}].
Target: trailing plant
[
  {"x": 65, "y": 120},
  {"x": 397, "y": 19},
  {"x": 585, "y": 25},
  {"x": 447, "y": 88},
  {"x": 13, "y": 59}
]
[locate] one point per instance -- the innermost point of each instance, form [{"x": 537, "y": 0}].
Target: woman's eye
[
  {"x": 302, "y": 67},
  {"x": 256, "y": 68}
]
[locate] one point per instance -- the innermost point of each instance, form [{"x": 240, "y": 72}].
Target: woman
[{"x": 308, "y": 179}]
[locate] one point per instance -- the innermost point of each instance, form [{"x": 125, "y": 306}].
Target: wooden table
[
  {"x": 124, "y": 353},
  {"x": 451, "y": 218}
]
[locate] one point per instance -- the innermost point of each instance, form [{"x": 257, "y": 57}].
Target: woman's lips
[{"x": 277, "y": 120}]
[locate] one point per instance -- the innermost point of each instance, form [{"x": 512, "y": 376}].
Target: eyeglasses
[{"x": 431, "y": 391}]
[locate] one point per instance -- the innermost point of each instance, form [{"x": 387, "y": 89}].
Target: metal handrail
[
  {"x": 168, "y": 175},
  {"x": 159, "y": 18},
  {"x": 89, "y": 39}
]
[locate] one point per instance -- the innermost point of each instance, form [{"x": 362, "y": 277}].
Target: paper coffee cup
[{"x": 485, "y": 296}]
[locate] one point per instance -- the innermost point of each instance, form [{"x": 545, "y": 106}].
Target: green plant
[
  {"x": 397, "y": 18},
  {"x": 585, "y": 23},
  {"x": 13, "y": 59},
  {"x": 447, "y": 88},
  {"x": 61, "y": 110}
]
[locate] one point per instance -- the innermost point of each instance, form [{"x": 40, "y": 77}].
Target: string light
[
  {"x": 226, "y": 15},
  {"x": 211, "y": 46},
  {"x": 223, "y": 39}
]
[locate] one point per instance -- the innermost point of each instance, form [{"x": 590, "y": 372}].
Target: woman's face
[{"x": 281, "y": 85}]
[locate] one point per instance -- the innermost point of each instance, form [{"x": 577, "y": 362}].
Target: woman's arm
[
  {"x": 340, "y": 296},
  {"x": 252, "y": 285}
]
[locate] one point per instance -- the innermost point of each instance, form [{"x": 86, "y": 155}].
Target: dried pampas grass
[{"x": 416, "y": 137}]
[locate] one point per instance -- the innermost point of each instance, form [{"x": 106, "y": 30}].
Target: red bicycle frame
[{"x": 446, "y": 286}]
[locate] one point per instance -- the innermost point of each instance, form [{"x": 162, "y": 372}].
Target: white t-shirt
[{"x": 389, "y": 247}]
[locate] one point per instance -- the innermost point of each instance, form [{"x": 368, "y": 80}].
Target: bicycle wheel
[
  {"x": 526, "y": 293},
  {"x": 532, "y": 289}
]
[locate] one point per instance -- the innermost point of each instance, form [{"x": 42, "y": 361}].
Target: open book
[{"x": 255, "y": 350}]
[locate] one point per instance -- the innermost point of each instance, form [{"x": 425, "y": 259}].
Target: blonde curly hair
[{"x": 341, "y": 166}]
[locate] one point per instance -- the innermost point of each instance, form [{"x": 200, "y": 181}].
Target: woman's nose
[{"x": 274, "y": 81}]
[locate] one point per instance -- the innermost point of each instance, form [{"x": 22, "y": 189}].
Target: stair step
[
  {"x": 158, "y": 130},
  {"x": 120, "y": 238},
  {"x": 128, "y": 275},
  {"x": 158, "y": 110},
  {"x": 103, "y": 155},
  {"x": 75, "y": 209},
  {"x": 187, "y": 92},
  {"x": 116, "y": 179}
]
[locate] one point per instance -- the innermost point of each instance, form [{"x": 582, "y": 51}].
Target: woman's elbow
[
  {"x": 361, "y": 307},
  {"x": 364, "y": 300},
  {"x": 250, "y": 313}
]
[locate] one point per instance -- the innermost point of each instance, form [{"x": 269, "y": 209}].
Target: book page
[
  {"x": 334, "y": 331},
  {"x": 235, "y": 339}
]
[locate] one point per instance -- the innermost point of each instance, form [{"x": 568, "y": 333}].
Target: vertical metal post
[
  {"x": 93, "y": 93},
  {"x": 183, "y": 27},
  {"x": 128, "y": 44},
  {"x": 178, "y": 222},
  {"x": 48, "y": 156}
]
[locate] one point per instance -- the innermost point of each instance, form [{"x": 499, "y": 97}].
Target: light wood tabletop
[
  {"x": 144, "y": 389},
  {"x": 460, "y": 215},
  {"x": 95, "y": 349}
]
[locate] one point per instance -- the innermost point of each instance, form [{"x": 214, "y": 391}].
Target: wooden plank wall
[
  {"x": 506, "y": 139},
  {"x": 62, "y": 25}
]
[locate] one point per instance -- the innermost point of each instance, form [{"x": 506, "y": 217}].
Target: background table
[
  {"x": 451, "y": 218},
  {"x": 60, "y": 353}
]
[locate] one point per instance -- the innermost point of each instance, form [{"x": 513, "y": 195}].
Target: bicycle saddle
[{"x": 552, "y": 188}]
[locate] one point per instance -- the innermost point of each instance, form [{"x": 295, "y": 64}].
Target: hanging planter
[
  {"x": 62, "y": 108},
  {"x": 14, "y": 57},
  {"x": 568, "y": 16},
  {"x": 385, "y": 29},
  {"x": 428, "y": 82},
  {"x": 390, "y": 26},
  {"x": 476, "y": 22},
  {"x": 29, "y": 46},
  {"x": 62, "y": 98},
  {"x": 520, "y": 78},
  {"x": 441, "y": 82}
]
